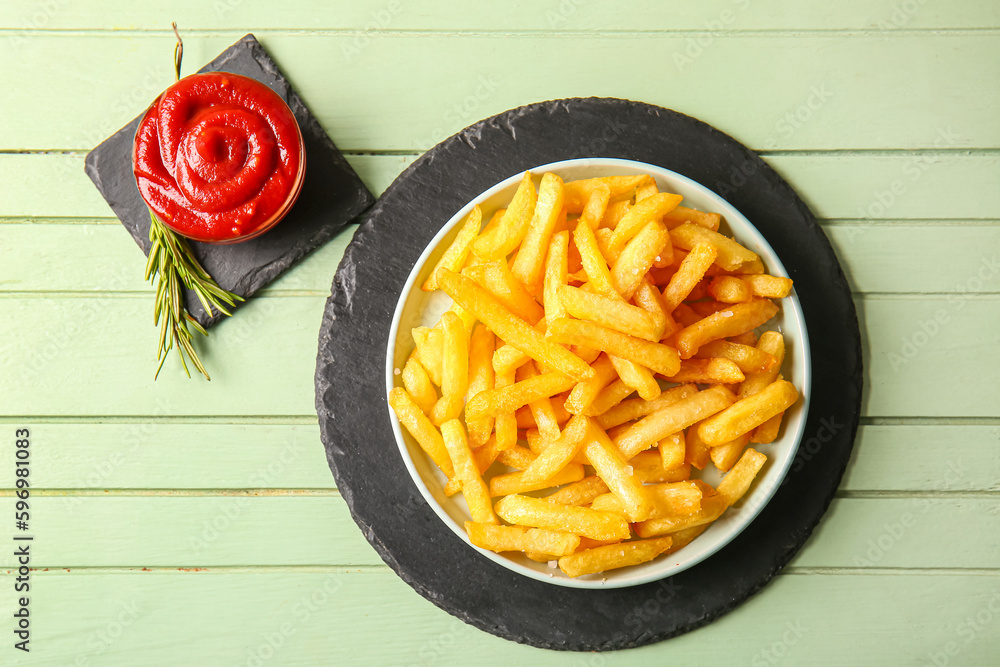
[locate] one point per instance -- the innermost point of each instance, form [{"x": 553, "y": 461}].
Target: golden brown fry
[
  {"x": 555, "y": 276},
  {"x": 610, "y": 396},
  {"x": 493, "y": 402},
  {"x": 558, "y": 453},
  {"x": 583, "y": 521},
  {"x": 513, "y": 330},
  {"x": 748, "y": 413},
  {"x": 731, "y": 321},
  {"x": 771, "y": 287},
  {"x": 429, "y": 350},
  {"x": 593, "y": 262},
  {"x": 454, "y": 369},
  {"x": 421, "y": 428},
  {"x": 530, "y": 263},
  {"x": 729, "y": 289},
  {"x": 726, "y": 455},
  {"x": 612, "y": 467},
  {"x": 611, "y": 313},
  {"x": 712, "y": 508},
  {"x": 614, "y": 213},
  {"x": 476, "y": 493},
  {"x": 637, "y": 377},
  {"x": 612, "y": 556},
  {"x": 418, "y": 384},
  {"x": 655, "y": 356},
  {"x": 731, "y": 254},
  {"x": 767, "y": 432},
  {"x": 737, "y": 482},
  {"x": 691, "y": 271},
  {"x": 512, "y": 227},
  {"x": 518, "y": 538},
  {"x": 635, "y": 408},
  {"x": 773, "y": 343},
  {"x": 708, "y": 371},
  {"x": 454, "y": 257},
  {"x": 673, "y": 449},
  {"x": 670, "y": 499},
  {"x": 644, "y": 212},
  {"x": 648, "y": 467},
  {"x": 682, "y": 214},
  {"x": 481, "y": 378},
  {"x": 512, "y": 483},
  {"x": 649, "y": 299},
  {"x": 584, "y": 393},
  {"x": 483, "y": 457},
  {"x": 578, "y": 192},
  {"x": 517, "y": 457},
  {"x": 498, "y": 280},
  {"x": 637, "y": 258},
  {"x": 746, "y": 338},
  {"x": 697, "y": 453},
  {"x": 748, "y": 358},
  {"x": 579, "y": 493},
  {"x": 651, "y": 429},
  {"x": 597, "y": 203},
  {"x": 505, "y": 424}
]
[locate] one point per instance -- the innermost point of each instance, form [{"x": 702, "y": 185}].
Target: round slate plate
[{"x": 354, "y": 417}]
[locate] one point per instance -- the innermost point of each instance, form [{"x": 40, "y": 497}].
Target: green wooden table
[{"x": 191, "y": 523}]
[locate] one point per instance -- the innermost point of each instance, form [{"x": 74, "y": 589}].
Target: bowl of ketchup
[{"x": 219, "y": 158}]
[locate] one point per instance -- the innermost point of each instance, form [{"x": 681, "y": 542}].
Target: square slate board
[{"x": 332, "y": 193}]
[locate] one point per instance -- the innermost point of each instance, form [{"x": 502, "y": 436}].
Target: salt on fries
[{"x": 612, "y": 330}]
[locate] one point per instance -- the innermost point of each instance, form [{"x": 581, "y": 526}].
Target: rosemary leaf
[{"x": 172, "y": 265}]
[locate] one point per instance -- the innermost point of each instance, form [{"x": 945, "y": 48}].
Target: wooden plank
[
  {"x": 830, "y": 95},
  {"x": 163, "y": 455},
  {"x": 302, "y": 619},
  {"x": 923, "y": 354},
  {"x": 890, "y": 257},
  {"x": 890, "y": 186},
  {"x": 106, "y": 259},
  {"x": 150, "y": 454},
  {"x": 218, "y": 530},
  {"x": 96, "y": 356},
  {"x": 835, "y": 185},
  {"x": 519, "y": 15},
  {"x": 901, "y": 257},
  {"x": 925, "y": 458}
]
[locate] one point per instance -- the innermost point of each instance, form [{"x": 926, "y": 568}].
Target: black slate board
[
  {"x": 354, "y": 417},
  {"x": 332, "y": 193}
]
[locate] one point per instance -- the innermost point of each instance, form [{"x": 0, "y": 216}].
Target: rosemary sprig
[{"x": 172, "y": 264}]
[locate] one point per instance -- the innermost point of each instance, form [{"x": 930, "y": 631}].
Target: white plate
[{"x": 418, "y": 308}]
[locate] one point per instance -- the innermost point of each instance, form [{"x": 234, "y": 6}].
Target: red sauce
[{"x": 218, "y": 157}]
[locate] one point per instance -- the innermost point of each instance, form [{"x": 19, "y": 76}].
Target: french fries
[
  {"x": 613, "y": 556},
  {"x": 585, "y": 317},
  {"x": 517, "y": 538},
  {"x": 539, "y": 513},
  {"x": 748, "y": 413},
  {"x": 656, "y": 357}
]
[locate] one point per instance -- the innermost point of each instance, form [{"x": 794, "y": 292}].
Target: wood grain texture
[
  {"x": 304, "y": 619},
  {"x": 833, "y": 92},
  {"x": 515, "y": 15}
]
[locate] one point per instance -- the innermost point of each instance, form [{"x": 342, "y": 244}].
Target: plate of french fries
[{"x": 598, "y": 373}]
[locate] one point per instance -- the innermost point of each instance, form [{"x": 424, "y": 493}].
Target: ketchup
[{"x": 219, "y": 157}]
